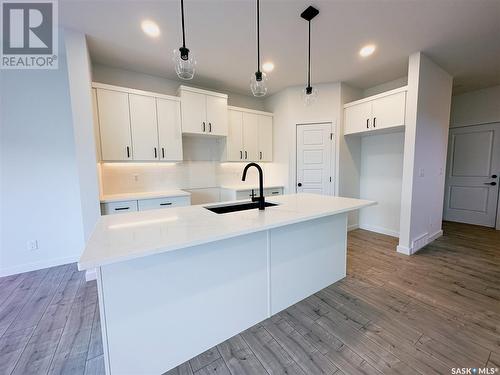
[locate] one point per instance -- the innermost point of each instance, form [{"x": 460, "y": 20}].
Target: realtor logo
[{"x": 29, "y": 34}]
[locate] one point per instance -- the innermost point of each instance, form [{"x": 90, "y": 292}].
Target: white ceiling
[{"x": 463, "y": 36}]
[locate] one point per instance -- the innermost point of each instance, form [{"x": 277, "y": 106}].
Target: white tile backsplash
[{"x": 118, "y": 178}]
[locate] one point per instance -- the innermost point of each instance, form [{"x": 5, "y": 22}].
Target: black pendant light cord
[
  {"x": 183, "y": 50},
  {"x": 309, "y": 60},
  {"x": 258, "y": 73}
]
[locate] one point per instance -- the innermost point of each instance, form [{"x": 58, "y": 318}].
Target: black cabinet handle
[
  {"x": 260, "y": 155},
  {"x": 241, "y": 154},
  {"x": 299, "y": 184},
  {"x": 246, "y": 155},
  {"x": 166, "y": 204},
  {"x": 374, "y": 120},
  {"x": 156, "y": 153},
  {"x": 121, "y": 208},
  {"x": 203, "y": 126},
  {"x": 163, "y": 152},
  {"x": 210, "y": 127},
  {"x": 367, "y": 121},
  {"x": 128, "y": 152},
  {"x": 275, "y": 192},
  {"x": 490, "y": 183}
]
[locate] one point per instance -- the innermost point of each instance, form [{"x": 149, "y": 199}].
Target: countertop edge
[{"x": 85, "y": 265}]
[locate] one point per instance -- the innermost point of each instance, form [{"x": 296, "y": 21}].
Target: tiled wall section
[{"x": 139, "y": 177}]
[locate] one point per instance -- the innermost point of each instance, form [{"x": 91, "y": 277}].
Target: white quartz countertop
[
  {"x": 144, "y": 195},
  {"x": 242, "y": 187},
  {"x": 118, "y": 238}
]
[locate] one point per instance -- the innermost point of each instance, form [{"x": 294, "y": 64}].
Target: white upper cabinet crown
[
  {"x": 203, "y": 112},
  {"x": 382, "y": 111},
  {"x": 137, "y": 125},
  {"x": 250, "y": 135}
]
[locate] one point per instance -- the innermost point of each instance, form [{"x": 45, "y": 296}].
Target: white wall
[
  {"x": 79, "y": 76},
  {"x": 386, "y": 86},
  {"x": 39, "y": 172},
  {"x": 141, "y": 81},
  {"x": 381, "y": 181},
  {"x": 476, "y": 107},
  {"x": 426, "y": 140}
]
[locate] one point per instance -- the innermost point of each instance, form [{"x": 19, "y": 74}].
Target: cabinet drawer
[
  {"x": 111, "y": 208},
  {"x": 152, "y": 204},
  {"x": 272, "y": 192}
]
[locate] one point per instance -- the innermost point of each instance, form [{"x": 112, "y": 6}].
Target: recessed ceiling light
[
  {"x": 367, "y": 50},
  {"x": 150, "y": 28},
  {"x": 268, "y": 67}
]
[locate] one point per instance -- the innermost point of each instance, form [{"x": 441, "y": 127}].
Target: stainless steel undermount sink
[{"x": 243, "y": 206}]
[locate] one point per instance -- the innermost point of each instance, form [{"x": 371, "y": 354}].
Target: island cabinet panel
[
  {"x": 162, "y": 310},
  {"x": 305, "y": 258}
]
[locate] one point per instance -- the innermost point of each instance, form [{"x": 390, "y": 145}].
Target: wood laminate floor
[{"x": 393, "y": 314}]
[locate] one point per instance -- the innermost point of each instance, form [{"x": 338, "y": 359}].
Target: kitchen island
[{"x": 173, "y": 283}]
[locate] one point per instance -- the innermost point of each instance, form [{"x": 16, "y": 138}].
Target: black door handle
[
  {"x": 494, "y": 176},
  {"x": 299, "y": 184},
  {"x": 490, "y": 183}
]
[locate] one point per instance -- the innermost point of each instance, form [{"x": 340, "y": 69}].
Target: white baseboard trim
[
  {"x": 37, "y": 265},
  {"x": 91, "y": 275},
  {"x": 352, "y": 227},
  {"x": 381, "y": 230},
  {"x": 414, "y": 249}
]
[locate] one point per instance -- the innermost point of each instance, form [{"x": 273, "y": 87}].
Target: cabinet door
[
  {"x": 169, "y": 129},
  {"x": 234, "y": 141},
  {"x": 144, "y": 126},
  {"x": 250, "y": 137},
  {"x": 95, "y": 118},
  {"x": 389, "y": 111},
  {"x": 265, "y": 138},
  {"x": 216, "y": 115},
  {"x": 194, "y": 112},
  {"x": 114, "y": 125},
  {"x": 357, "y": 118}
]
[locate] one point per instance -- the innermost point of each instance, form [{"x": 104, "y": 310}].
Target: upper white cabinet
[
  {"x": 114, "y": 125},
  {"x": 203, "y": 112},
  {"x": 138, "y": 125},
  {"x": 250, "y": 135},
  {"x": 382, "y": 111},
  {"x": 144, "y": 126},
  {"x": 169, "y": 129},
  {"x": 265, "y": 138}
]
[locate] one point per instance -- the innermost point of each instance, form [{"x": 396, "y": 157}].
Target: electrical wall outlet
[{"x": 32, "y": 245}]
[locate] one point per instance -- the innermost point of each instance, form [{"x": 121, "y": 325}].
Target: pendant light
[
  {"x": 258, "y": 80},
  {"x": 309, "y": 94},
  {"x": 184, "y": 62}
]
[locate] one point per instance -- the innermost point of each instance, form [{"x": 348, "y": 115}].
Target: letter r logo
[{"x": 27, "y": 28}]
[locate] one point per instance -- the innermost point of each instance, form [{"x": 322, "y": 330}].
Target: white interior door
[
  {"x": 314, "y": 159},
  {"x": 144, "y": 125},
  {"x": 471, "y": 194}
]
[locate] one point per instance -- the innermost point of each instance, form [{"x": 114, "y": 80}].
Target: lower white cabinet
[
  {"x": 110, "y": 208},
  {"x": 234, "y": 195},
  {"x": 152, "y": 204}
]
